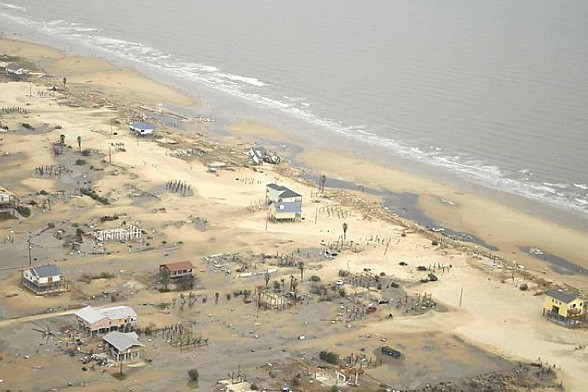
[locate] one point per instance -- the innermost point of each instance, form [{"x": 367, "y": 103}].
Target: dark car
[{"x": 391, "y": 352}]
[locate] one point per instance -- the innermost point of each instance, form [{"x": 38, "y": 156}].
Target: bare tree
[
  {"x": 267, "y": 278},
  {"x": 345, "y": 230},
  {"x": 292, "y": 280}
]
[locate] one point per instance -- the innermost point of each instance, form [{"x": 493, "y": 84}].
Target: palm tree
[
  {"x": 80, "y": 143},
  {"x": 323, "y": 182},
  {"x": 267, "y": 278},
  {"x": 62, "y": 139},
  {"x": 345, "y": 230},
  {"x": 301, "y": 268}
]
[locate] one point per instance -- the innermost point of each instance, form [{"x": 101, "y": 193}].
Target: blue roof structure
[
  {"x": 288, "y": 207},
  {"x": 141, "y": 126},
  {"x": 46, "y": 271}
]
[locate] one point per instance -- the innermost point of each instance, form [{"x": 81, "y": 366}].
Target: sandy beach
[{"x": 478, "y": 320}]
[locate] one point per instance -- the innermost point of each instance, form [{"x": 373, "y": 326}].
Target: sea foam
[{"x": 253, "y": 90}]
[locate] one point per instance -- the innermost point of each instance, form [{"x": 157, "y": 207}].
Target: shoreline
[
  {"x": 481, "y": 318},
  {"x": 505, "y": 230}
]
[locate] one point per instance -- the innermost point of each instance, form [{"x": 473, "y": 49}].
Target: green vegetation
[
  {"x": 329, "y": 356},
  {"x": 94, "y": 195},
  {"x": 24, "y": 211},
  {"x": 193, "y": 374}
]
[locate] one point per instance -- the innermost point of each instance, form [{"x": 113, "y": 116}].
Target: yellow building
[{"x": 563, "y": 307}]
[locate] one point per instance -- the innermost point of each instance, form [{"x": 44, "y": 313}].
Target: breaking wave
[{"x": 253, "y": 90}]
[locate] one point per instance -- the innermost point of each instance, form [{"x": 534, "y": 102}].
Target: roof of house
[
  {"x": 288, "y": 207},
  {"x": 45, "y": 271},
  {"x": 142, "y": 125},
  {"x": 14, "y": 67},
  {"x": 563, "y": 296},
  {"x": 276, "y": 187},
  {"x": 89, "y": 314},
  {"x": 289, "y": 193},
  {"x": 118, "y": 312},
  {"x": 92, "y": 315},
  {"x": 178, "y": 266},
  {"x": 122, "y": 341}
]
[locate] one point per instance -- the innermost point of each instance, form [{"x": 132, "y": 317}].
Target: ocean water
[{"x": 492, "y": 92}]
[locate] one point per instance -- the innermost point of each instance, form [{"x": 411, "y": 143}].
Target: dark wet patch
[
  {"x": 556, "y": 263},
  {"x": 169, "y": 121},
  {"x": 405, "y": 205}
]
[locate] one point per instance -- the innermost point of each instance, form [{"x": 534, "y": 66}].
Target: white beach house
[
  {"x": 142, "y": 129},
  {"x": 45, "y": 279}
]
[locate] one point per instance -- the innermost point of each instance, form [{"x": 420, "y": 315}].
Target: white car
[{"x": 338, "y": 282}]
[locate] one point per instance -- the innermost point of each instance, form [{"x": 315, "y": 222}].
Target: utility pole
[
  {"x": 461, "y": 296},
  {"x": 29, "y": 243}
]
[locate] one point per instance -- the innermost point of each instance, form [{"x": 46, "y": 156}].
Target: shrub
[
  {"x": 106, "y": 275},
  {"x": 24, "y": 211},
  {"x": 80, "y": 162},
  {"x": 193, "y": 374},
  {"x": 86, "y": 152},
  {"x": 92, "y": 193},
  {"x": 315, "y": 278},
  {"x": 43, "y": 192},
  {"x": 27, "y": 126},
  {"x": 329, "y": 356}
]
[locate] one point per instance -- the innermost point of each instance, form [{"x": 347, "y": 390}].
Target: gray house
[
  {"x": 275, "y": 193},
  {"x": 122, "y": 346}
]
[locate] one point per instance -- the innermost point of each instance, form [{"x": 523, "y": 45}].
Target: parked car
[{"x": 391, "y": 352}]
